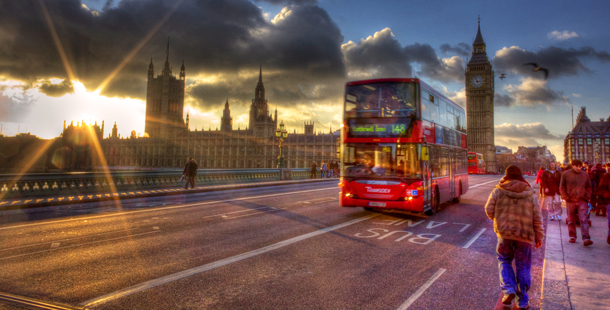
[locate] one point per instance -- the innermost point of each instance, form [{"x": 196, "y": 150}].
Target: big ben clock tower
[{"x": 479, "y": 78}]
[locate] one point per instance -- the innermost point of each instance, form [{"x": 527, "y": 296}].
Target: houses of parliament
[{"x": 170, "y": 141}]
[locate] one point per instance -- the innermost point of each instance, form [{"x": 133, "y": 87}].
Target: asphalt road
[{"x": 279, "y": 247}]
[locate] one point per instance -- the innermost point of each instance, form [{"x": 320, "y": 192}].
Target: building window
[{"x": 589, "y": 142}]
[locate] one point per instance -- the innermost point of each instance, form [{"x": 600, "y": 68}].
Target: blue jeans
[{"x": 521, "y": 252}]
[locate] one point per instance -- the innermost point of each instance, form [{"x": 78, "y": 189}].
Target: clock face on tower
[{"x": 476, "y": 81}]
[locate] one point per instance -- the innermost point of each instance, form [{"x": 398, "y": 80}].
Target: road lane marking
[
  {"x": 189, "y": 272},
  {"x": 170, "y": 207},
  {"x": 477, "y": 185},
  {"x": 54, "y": 245},
  {"x": 421, "y": 290},
  {"x": 67, "y": 239},
  {"x": 467, "y": 245},
  {"x": 75, "y": 245}
]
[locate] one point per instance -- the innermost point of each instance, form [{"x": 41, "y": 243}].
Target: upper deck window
[{"x": 381, "y": 100}]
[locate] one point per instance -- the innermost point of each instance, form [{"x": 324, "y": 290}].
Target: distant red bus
[
  {"x": 403, "y": 146},
  {"x": 476, "y": 164}
]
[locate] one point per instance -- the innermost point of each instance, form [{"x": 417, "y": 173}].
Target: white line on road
[
  {"x": 189, "y": 272},
  {"x": 75, "y": 245},
  {"x": 54, "y": 245},
  {"x": 467, "y": 245},
  {"x": 68, "y": 239},
  {"x": 169, "y": 208},
  {"x": 421, "y": 290},
  {"x": 477, "y": 185}
]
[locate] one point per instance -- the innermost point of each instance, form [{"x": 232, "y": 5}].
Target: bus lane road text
[{"x": 399, "y": 235}]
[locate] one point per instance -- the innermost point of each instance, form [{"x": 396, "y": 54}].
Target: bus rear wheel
[{"x": 435, "y": 203}]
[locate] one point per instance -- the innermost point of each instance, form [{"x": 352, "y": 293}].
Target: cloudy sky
[{"x": 88, "y": 59}]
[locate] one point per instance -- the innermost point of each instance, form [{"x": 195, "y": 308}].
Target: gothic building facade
[
  {"x": 169, "y": 141},
  {"x": 479, "y": 80},
  {"x": 588, "y": 140}
]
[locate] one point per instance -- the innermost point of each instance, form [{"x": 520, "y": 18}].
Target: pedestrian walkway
[{"x": 576, "y": 277}]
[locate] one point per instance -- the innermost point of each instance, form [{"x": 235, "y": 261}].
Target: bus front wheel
[{"x": 435, "y": 203}]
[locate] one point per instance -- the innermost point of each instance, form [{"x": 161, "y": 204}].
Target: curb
[
  {"x": 555, "y": 289},
  {"x": 37, "y": 202}
]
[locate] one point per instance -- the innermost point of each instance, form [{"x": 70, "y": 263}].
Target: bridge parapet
[{"x": 32, "y": 185}]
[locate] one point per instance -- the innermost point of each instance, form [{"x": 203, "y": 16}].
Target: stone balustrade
[{"x": 31, "y": 185}]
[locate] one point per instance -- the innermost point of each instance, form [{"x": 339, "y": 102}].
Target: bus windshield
[
  {"x": 381, "y": 160},
  {"x": 381, "y": 100}
]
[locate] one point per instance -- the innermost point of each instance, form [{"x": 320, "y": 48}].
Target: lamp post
[{"x": 280, "y": 135}]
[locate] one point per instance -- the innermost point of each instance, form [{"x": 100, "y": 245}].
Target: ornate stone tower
[
  {"x": 479, "y": 78},
  {"x": 164, "y": 101},
  {"x": 226, "y": 122},
  {"x": 262, "y": 124}
]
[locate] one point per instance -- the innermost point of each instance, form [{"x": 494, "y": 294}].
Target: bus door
[
  {"x": 427, "y": 180},
  {"x": 452, "y": 171}
]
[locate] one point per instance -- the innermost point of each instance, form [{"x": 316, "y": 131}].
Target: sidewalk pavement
[
  {"x": 576, "y": 277},
  {"x": 62, "y": 199}
]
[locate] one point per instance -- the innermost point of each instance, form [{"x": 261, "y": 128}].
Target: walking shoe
[
  {"x": 559, "y": 217},
  {"x": 526, "y": 307},
  {"x": 588, "y": 242},
  {"x": 572, "y": 240},
  {"x": 552, "y": 218},
  {"x": 508, "y": 299}
]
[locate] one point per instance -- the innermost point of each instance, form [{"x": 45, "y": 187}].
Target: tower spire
[{"x": 260, "y": 75}]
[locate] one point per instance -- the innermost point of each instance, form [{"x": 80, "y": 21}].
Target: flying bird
[
  {"x": 538, "y": 68},
  {"x": 502, "y": 76}
]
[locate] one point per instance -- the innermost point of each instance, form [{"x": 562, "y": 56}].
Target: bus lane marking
[
  {"x": 427, "y": 240},
  {"x": 196, "y": 270},
  {"x": 421, "y": 290},
  {"x": 431, "y": 224},
  {"x": 467, "y": 245}
]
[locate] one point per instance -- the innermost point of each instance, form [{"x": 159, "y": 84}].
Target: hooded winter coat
[
  {"x": 550, "y": 179},
  {"x": 514, "y": 208}
]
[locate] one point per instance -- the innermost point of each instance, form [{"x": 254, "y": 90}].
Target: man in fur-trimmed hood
[{"x": 514, "y": 208}]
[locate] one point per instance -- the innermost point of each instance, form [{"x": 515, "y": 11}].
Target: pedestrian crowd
[
  {"x": 327, "y": 170},
  {"x": 515, "y": 210}
]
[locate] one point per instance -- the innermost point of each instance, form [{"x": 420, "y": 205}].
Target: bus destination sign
[{"x": 377, "y": 129}]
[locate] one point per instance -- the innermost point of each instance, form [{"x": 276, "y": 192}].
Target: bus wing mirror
[{"x": 424, "y": 153}]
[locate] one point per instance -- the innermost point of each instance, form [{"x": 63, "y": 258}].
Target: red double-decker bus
[
  {"x": 403, "y": 146},
  {"x": 476, "y": 165}
]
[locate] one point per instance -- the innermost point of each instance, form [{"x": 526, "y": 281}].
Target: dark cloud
[
  {"x": 530, "y": 131},
  {"x": 212, "y": 36},
  {"x": 461, "y": 49},
  {"x": 532, "y": 92},
  {"x": 382, "y": 55},
  {"x": 289, "y": 2},
  {"x": 559, "y": 61},
  {"x": 56, "y": 90},
  {"x": 503, "y": 100}
]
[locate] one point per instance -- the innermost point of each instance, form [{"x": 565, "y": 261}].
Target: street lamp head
[
  {"x": 278, "y": 133},
  {"x": 284, "y": 134},
  {"x": 282, "y": 127}
]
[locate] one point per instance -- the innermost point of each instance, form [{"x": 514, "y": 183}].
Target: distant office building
[
  {"x": 169, "y": 141},
  {"x": 588, "y": 140},
  {"x": 503, "y": 150}
]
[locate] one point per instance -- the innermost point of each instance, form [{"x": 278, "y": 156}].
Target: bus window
[
  {"x": 381, "y": 160},
  {"x": 381, "y": 100}
]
